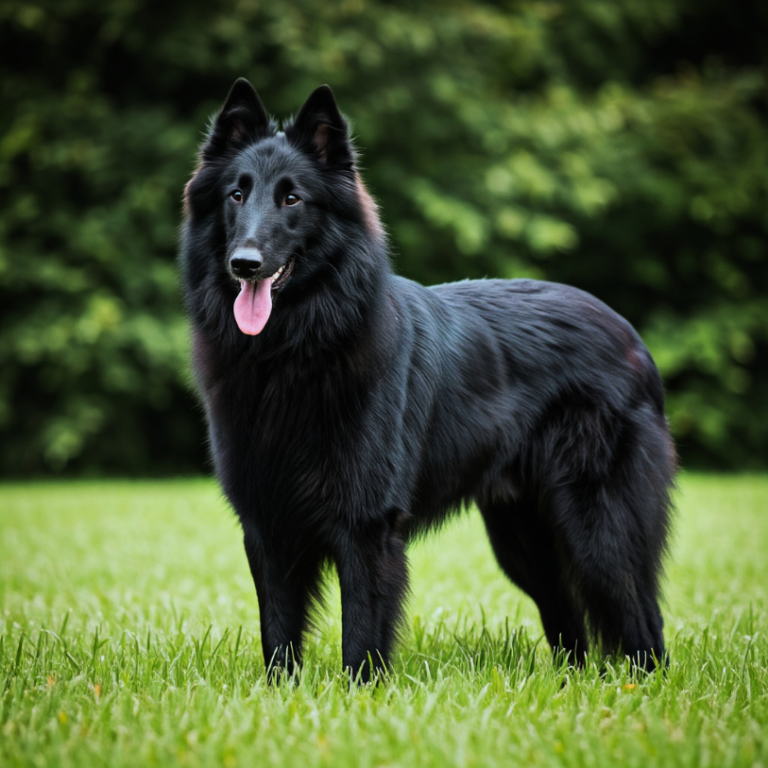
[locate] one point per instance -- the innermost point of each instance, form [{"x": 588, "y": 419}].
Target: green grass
[{"x": 129, "y": 636}]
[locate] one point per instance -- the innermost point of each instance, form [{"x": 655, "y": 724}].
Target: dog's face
[
  {"x": 272, "y": 203},
  {"x": 268, "y": 207}
]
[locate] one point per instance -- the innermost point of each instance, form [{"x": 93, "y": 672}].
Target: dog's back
[{"x": 491, "y": 362}]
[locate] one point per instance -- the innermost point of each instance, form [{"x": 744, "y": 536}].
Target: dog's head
[{"x": 272, "y": 213}]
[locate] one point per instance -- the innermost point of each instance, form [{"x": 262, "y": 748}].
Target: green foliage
[
  {"x": 142, "y": 657},
  {"x": 620, "y": 147}
]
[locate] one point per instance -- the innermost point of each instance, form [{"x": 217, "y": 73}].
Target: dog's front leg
[
  {"x": 373, "y": 576},
  {"x": 283, "y": 588}
]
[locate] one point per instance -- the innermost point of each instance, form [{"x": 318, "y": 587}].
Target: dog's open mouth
[
  {"x": 282, "y": 276},
  {"x": 253, "y": 305}
]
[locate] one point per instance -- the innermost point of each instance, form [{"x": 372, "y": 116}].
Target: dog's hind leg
[
  {"x": 614, "y": 525},
  {"x": 619, "y": 593},
  {"x": 526, "y": 552}
]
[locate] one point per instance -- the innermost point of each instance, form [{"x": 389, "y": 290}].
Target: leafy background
[{"x": 618, "y": 146}]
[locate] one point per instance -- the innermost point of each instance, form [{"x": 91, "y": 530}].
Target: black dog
[{"x": 349, "y": 408}]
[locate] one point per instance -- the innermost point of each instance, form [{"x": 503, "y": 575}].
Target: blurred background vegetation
[{"x": 620, "y": 146}]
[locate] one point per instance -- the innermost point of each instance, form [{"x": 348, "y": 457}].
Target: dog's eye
[
  {"x": 237, "y": 196},
  {"x": 291, "y": 200}
]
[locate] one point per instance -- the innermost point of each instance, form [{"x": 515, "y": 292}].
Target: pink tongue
[{"x": 253, "y": 305}]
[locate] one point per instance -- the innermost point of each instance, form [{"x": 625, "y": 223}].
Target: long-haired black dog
[{"x": 349, "y": 408}]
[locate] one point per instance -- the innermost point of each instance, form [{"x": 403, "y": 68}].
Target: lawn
[{"x": 129, "y": 636}]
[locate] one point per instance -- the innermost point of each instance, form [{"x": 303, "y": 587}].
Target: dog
[{"x": 349, "y": 409}]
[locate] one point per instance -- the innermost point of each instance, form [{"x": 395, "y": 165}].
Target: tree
[{"x": 620, "y": 147}]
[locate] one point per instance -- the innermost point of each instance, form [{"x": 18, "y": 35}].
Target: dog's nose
[{"x": 246, "y": 262}]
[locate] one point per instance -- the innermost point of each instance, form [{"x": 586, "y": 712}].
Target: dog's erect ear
[
  {"x": 320, "y": 129},
  {"x": 242, "y": 120}
]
